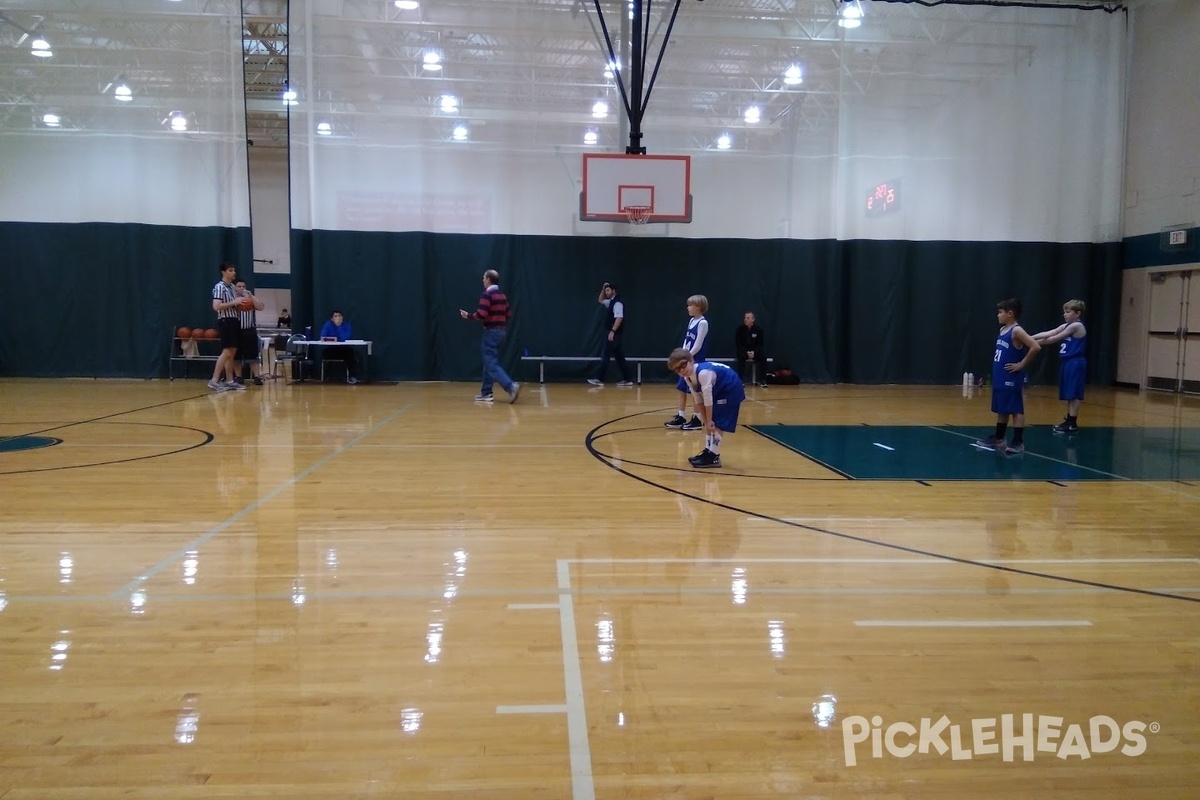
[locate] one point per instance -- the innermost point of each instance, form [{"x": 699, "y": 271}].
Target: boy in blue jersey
[
  {"x": 1071, "y": 338},
  {"x": 695, "y": 341},
  {"x": 1014, "y": 350},
  {"x": 718, "y": 393}
]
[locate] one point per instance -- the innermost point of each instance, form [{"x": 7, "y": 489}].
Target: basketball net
[{"x": 637, "y": 215}]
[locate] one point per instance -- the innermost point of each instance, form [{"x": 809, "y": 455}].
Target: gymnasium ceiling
[{"x": 526, "y": 73}]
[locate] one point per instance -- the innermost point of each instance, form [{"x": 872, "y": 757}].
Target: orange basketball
[
  {"x": 245, "y": 303},
  {"x": 184, "y": 333},
  {"x": 197, "y": 333},
  {"x": 211, "y": 333}
]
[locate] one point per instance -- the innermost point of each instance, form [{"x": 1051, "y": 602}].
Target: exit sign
[{"x": 1177, "y": 237}]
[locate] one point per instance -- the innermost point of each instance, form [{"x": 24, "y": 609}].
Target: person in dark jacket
[
  {"x": 751, "y": 347},
  {"x": 614, "y": 330}
]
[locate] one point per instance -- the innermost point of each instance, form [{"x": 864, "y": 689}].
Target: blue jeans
[{"x": 493, "y": 338}]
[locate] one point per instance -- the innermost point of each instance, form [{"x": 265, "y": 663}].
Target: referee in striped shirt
[
  {"x": 247, "y": 350},
  {"x": 225, "y": 304}
]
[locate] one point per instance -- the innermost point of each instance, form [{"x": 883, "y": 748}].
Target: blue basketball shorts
[
  {"x": 1008, "y": 401},
  {"x": 725, "y": 411},
  {"x": 1072, "y": 378}
]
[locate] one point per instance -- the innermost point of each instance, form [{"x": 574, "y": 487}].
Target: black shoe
[
  {"x": 258, "y": 380},
  {"x": 703, "y": 454},
  {"x": 1066, "y": 427},
  {"x": 693, "y": 424},
  {"x": 239, "y": 380},
  {"x": 706, "y": 460},
  {"x": 676, "y": 421}
]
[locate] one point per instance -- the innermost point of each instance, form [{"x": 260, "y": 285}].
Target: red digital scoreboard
[{"x": 883, "y": 198}]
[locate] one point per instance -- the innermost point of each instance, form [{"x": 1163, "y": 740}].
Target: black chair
[{"x": 295, "y": 352}]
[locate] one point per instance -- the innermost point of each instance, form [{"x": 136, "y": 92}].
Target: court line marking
[
  {"x": 254, "y": 506},
  {"x": 551, "y": 708},
  {"x": 1150, "y": 482},
  {"x": 972, "y": 623},
  {"x": 531, "y": 606},
  {"x": 60, "y": 426},
  {"x": 830, "y": 519},
  {"x": 934, "y": 559},
  {"x": 589, "y": 444},
  {"x": 883, "y": 446},
  {"x": 582, "y": 785},
  {"x": 669, "y": 591}
]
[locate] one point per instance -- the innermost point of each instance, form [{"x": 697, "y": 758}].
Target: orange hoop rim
[{"x": 637, "y": 215}]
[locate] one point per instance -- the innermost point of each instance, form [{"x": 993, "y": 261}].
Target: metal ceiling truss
[{"x": 528, "y": 68}]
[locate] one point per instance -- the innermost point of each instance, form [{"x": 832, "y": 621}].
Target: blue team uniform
[
  {"x": 689, "y": 339},
  {"x": 1006, "y": 386},
  {"x": 728, "y": 392},
  {"x": 1072, "y": 371}
]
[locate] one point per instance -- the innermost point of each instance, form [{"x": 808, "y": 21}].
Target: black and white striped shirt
[
  {"x": 225, "y": 293},
  {"x": 247, "y": 318}
]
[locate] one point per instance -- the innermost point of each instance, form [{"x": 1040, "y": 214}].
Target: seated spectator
[
  {"x": 751, "y": 347},
  {"x": 285, "y": 319},
  {"x": 336, "y": 329}
]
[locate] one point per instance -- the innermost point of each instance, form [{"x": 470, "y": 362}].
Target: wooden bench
[{"x": 636, "y": 360}]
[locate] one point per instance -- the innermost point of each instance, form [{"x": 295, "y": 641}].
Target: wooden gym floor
[{"x": 389, "y": 591}]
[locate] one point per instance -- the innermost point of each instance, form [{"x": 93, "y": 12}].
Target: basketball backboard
[{"x": 612, "y": 183}]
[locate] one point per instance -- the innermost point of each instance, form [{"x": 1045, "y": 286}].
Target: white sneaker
[
  {"x": 217, "y": 386},
  {"x": 595, "y": 382},
  {"x": 624, "y": 383}
]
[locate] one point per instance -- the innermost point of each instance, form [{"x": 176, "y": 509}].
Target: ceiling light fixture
[
  {"x": 449, "y": 103},
  {"x": 407, "y": 5},
  {"x": 792, "y": 75},
  {"x": 178, "y": 121},
  {"x": 753, "y": 115},
  {"x": 290, "y": 98},
  {"x": 324, "y": 129},
  {"x": 432, "y": 60},
  {"x": 51, "y": 120},
  {"x": 461, "y": 132},
  {"x": 591, "y": 136},
  {"x": 40, "y": 48},
  {"x": 724, "y": 141},
  {"x": 122, "y": 92},
  {"x": 850, "y": 14},
  {"x": 600, "y": 109}
]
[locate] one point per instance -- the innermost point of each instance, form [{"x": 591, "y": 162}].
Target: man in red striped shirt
[{"x": 494, "y": 312}]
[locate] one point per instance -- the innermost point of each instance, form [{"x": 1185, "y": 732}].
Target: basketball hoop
[{"x": 637, "y": 215}]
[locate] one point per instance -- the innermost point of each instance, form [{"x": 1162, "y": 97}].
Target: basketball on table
[
  {"x": 198, "y": 333},
  {"x": 183, "y": 333},
  {"x": 211, "y": 333},
  {"x": 245, "y": 303}
]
